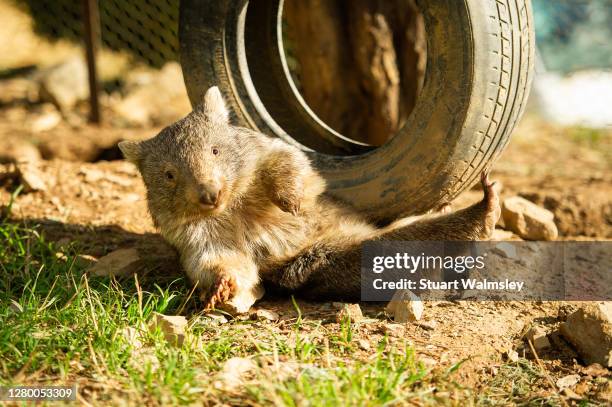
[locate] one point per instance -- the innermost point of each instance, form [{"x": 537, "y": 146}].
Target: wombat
[{"x": 243, "y": 209}]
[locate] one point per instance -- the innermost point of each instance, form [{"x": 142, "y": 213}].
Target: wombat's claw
[
  {"x": 220, "y": 292},
  {"x": 289, "y": 205},
  {"x": 445, "y": 209},
  {"x": 484, "y": 179}
]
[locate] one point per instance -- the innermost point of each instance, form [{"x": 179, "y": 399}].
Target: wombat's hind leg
[
  {"x": 293, "y": 273},
  {"x": 475, "y": 222},
  {"x": 491, "y": 200}
]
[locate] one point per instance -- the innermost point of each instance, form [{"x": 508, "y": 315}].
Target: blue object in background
[{"x": 574, "y": 35}]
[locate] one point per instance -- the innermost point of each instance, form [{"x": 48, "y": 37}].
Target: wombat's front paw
[
  {"x": 242, "y": 300},
  {"x": 220, "y": 292},
  {"x": 490, "y": 201},
  {"x": 289, "y": 200}
]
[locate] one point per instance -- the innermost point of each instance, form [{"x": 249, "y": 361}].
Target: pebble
[
  {"x": 589, "y": 329},
  {"x": 405, "y": 306},
  {"x": 172, "y": 326},
  {"x": 528, "y": 220},
  {"x": 120, "y": 262},
  {"x": 350, "y": 311}
]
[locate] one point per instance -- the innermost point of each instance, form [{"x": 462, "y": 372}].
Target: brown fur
[{"x": 272, "y": 221}]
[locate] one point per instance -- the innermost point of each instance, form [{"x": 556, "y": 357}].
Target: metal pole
[{"x": 91, "y": 30}]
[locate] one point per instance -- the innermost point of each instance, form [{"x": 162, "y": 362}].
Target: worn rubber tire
[{"x": 479, "y": 71}]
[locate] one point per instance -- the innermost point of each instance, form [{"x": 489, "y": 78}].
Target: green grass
[
  {"x": 595, "y": 139},
  {"x": 59, "y": 326},
  {"x": 514, "y": 384}
]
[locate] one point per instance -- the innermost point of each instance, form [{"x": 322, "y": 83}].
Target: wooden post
[{"x": 91, "y": 32}]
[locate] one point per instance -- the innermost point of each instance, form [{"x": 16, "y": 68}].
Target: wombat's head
[{"x": 192, "y": 168}]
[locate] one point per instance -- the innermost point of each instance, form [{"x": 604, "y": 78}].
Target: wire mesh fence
[{"x": 147, "y": 29}]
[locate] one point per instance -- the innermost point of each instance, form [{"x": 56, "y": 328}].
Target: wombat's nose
[{"x": 209, "y": 195}]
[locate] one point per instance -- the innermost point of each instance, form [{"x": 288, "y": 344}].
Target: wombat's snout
[{"x": 209, "y": 194}]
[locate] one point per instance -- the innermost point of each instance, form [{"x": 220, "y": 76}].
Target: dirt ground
[{"x": 94, "y": 198}]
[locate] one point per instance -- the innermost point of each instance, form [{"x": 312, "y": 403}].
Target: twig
[{"x": 545, "y": 373}]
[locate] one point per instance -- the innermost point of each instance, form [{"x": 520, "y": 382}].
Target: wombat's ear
[
  {"x": 214, "y": 107},
  {"x": 132, "y": 151}
]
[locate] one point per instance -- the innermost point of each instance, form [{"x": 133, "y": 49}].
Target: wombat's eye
[
  {"x": 215, "y": 151},
  {"x": 169, "y": 175}
]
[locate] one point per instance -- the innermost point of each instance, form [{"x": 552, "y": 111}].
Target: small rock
[
  {"x": 65, "y": 84},
  {"x": 428, "y": 325},
  {"x": 216, "y": 317},
  {"x": 350, "y": 311},
  {"x": 233, "y": 373},
  {"x": 405, "y": 306},
  {"x": 172, "y": 326},
  {"x": 512, "y": 355},
  {"x": 133, "y": 336},
  {"x": 31, "y": 177},
  {"x": 589, "y": 329},
  {"x": 568, "y": 381},
  {"x": 393, "y": 329},
  {"x": 92, "y": 175},
  {"x": 364, "y": 344},
  {"x": 338, "y": 305},
  {"x": 528, "y": 220},
  {"x": 537, "y": 336},
  {"x": 121, "y": 262},
  {"x": 46, "y": 121},
  {"x": 154, "y": 97},
  {"x": 16, "y": 149},
  {"x": 265, "y": 314}
]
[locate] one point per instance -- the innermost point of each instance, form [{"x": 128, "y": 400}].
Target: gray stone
[
  {"x": 589, "y": 329},
  {"x": 528, "y": 220},
  {"x": 266, "y": 315},
  {"x": 30, "y": 177},
  {"x": 172, "y": 326},
  {"x": 512, "y": 355},
  {"x": 393, "y": 329},
  {"x": 120, "y": 262},
  {"x": 568, "y": 381},
  {"x": 65, "y": 84},
  {"x": 405, "y": 306},
  {"x": 364, "y": 344},
  {"x": 46, "y": 120},
  {"x": 154, "y": 97},
  {"x": 350, "y": 311},
  {"x": 537, "y": 336},
  {"x": 215, "y": 317}
]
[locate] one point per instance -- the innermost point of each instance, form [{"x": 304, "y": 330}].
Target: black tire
[{"x": 479, "y": 71}]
